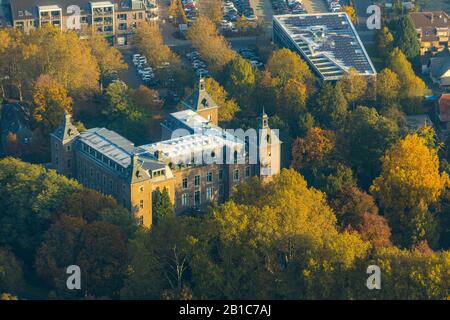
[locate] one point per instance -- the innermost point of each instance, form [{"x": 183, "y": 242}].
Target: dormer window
[{"x": 204, "y": 102}]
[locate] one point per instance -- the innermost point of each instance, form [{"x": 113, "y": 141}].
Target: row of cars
[
  {"x": 232, "y": 10},
  {"x": 198, "y": 64},
  {"x": 144, "y": 70},
  {"x": 190, "y": 9},
  {"x": 250, "y": 55},
  {"x": 288, "y": 6}
]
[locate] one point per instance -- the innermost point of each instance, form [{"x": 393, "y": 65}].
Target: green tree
[
  {"x": 366, "y": 137},
  {"x": 11, "y": 274},
  {"x": 118, "y": 96},
  {"x": 162, "y": 206},
  {"x": 384, "y": 41},
  {"x": 330, "y": 106},
  {"x": 407, "y": 39},
  {"x": 30, "y": 196},
  {"x": 240, "y": 80}
]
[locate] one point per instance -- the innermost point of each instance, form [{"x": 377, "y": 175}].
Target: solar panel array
[{"x": 328, "y": 42}]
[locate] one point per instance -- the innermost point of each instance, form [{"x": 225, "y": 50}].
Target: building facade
[
  {"x": 196, "y": 161},
  {"x": 116, "y": 19}
]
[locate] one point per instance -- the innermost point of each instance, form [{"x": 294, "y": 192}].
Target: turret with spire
[{"x": 62, "y": 144}]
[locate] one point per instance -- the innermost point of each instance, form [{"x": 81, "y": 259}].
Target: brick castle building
[{"x": 196, "y": 161}]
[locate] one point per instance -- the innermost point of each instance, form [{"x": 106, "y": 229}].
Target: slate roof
[
  {"x": 66, "y": 129},
  {"x": 440, "y": 64},
  {"x": 199, "y": 99},
  {"x": 444, "y": 108},
  {"x": 427, "y": 22}
]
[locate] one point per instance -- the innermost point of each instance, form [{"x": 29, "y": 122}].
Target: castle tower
[
  {"x": 140, "y": 192},
  {"x": 201, "y": 102},
  {"x": 269, "y": 149},
  {"x": 62, "y": 143}
]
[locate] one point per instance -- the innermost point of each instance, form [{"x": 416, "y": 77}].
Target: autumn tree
[
  {"x": 350, "y": 11},
  {"x": 177, "y": 12},
  {"x": 387, "y": 86},
  {"x": 357, "y": 210},
  {"x": 159, "y": 261},
  {"x": 64, "y": 57},
  {"x": 228, "y": 106},
  {"x": 91, "y": 206},
  {"x": 293, "y": 102},
  {"x": 411, "y": 86},
  {"x": 211, "y": 9},
  {"x": 103, "y": 257},
  {"x": 412, "y": 274},
  {"x": 314, "y": 149},
  {"x": 118, "y": 96},
  {"x": 409, "y": 183},
  {"x": 286, "y": 64},
  {"x": 51, "y": 102},
  {"x": 108, "y": 57},
  {"x": 148, "y": 101},
  {"x": 353, "y": 86},
  {"x": 213, "y": 48},
  {"x": 59, "y": 250}
]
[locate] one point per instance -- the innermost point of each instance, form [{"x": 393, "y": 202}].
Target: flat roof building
[
  {"x": 117, "y": 20},
  {"x": 327, "y": 41}
]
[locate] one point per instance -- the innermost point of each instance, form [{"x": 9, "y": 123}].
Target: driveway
[
  {"x": 263, "y": 10},
  {"x": 315, "y": 6}
]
